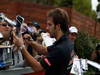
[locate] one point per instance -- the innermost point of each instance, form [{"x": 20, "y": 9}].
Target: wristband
[{"x": 22, "y": 47}]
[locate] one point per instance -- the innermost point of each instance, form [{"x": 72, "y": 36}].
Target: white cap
[{"x": 73, "y": 29}]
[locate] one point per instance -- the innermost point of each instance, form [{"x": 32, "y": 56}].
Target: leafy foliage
[
  {"x": 66, "y": 3},
  {"x": 83, "y": 6},
  {"x": 84, "y": 45}
]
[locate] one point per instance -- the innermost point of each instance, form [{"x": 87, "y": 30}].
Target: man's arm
[
  {"x": 36, "y": 66},
  {"x": 39, "y": 48},
  {"x": 18, "y": 41}
]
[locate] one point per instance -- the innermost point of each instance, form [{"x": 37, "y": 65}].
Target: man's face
[
  {"x": 72, "y": 36},
  {"x": 5, "y": 30},
  {"x": 51, "y": 27}
]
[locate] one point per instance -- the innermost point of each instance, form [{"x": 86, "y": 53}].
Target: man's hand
[{"x": 18, "y": 41}]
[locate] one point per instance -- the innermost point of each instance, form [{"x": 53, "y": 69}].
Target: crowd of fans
[{"x": 32, "y": 31}]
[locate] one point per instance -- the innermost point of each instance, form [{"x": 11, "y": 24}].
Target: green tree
[
  {"x": 66, "y": 3},
  {"x": 83, "y": 6},
  {"x": 85, "y": 44}
]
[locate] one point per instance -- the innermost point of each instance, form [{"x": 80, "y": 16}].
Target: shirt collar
[{"x": 61, "y": 39}]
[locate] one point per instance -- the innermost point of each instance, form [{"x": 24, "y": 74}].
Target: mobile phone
[{"x": 19, "y": 21}]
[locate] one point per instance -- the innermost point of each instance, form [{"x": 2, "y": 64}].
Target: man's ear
[{"x": 58, "y": 26}]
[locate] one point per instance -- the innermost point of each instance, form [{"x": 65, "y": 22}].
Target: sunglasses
[
  {"x": 5, "y": 25},
  {"x": 74, "y": 34},
  {"x": 28, "y": 39}
]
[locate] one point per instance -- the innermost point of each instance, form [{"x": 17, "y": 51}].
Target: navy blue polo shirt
[{"x": 59, "y": 54}]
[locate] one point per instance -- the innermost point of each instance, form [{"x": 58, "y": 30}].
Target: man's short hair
[{"x": 60, "y": 16}]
